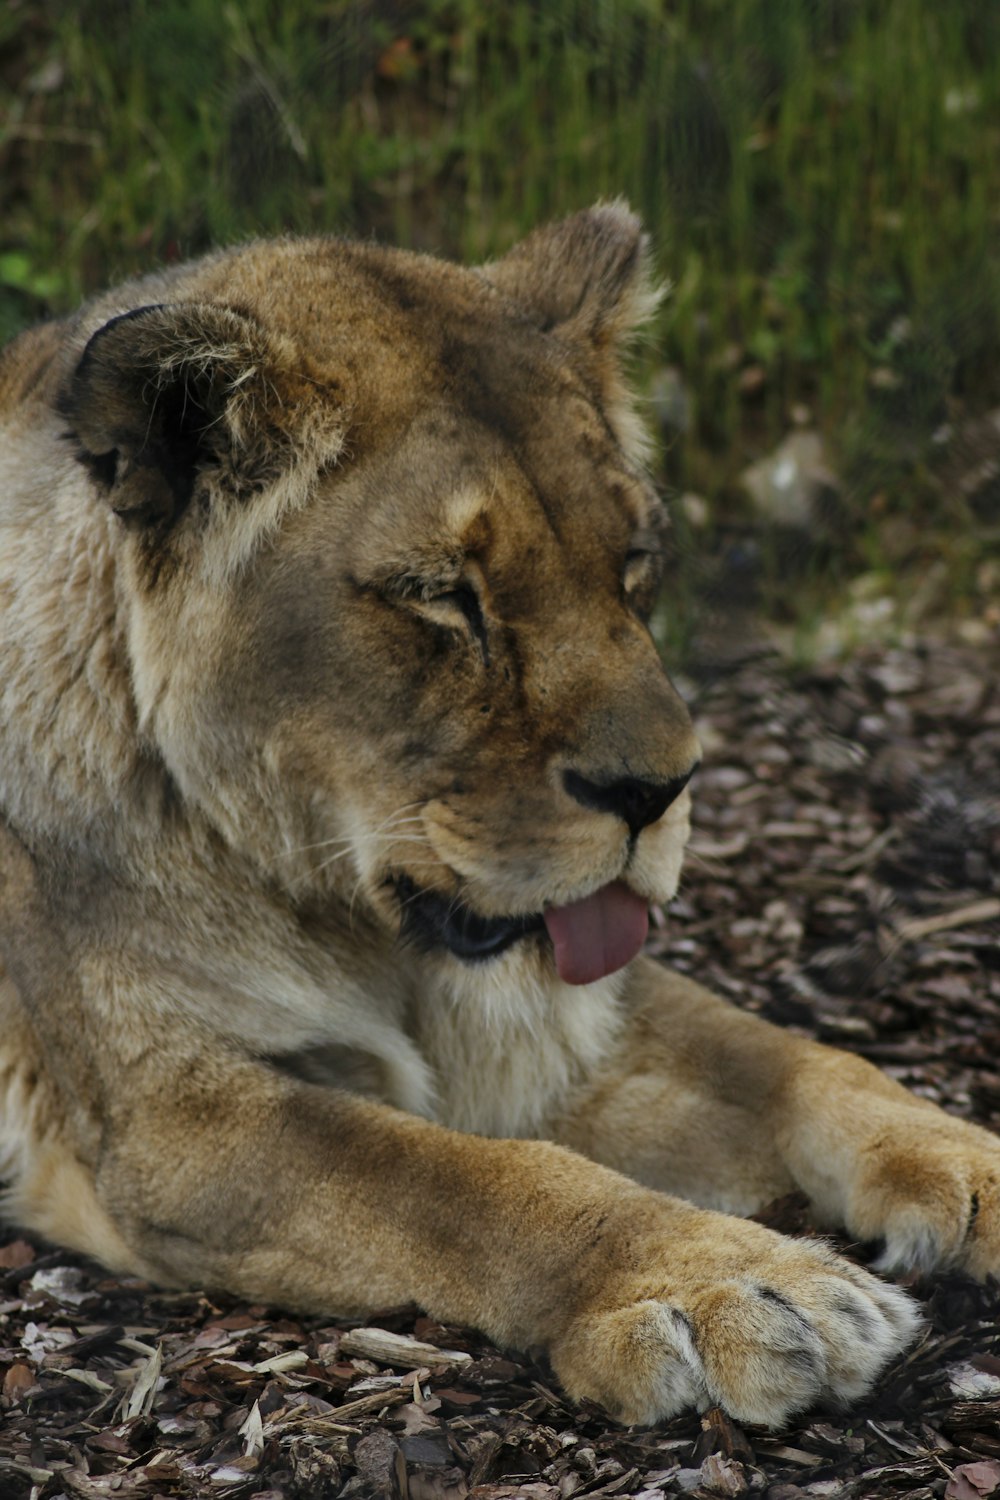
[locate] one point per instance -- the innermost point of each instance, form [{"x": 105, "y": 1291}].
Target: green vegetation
[{"x": 821, "y": 177}]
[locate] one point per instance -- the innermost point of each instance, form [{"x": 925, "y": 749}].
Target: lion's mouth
[
  {"x": 431, "y": 920},
  {"x": 591, "y": 938}
]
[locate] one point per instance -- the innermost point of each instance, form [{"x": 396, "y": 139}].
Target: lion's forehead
[
  {"x": 398, "y": 332},
  {"x": 528, "y": 521},
  {"x": 385, "y": 319}
]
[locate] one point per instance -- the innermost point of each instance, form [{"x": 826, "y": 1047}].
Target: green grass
[{"x": 821, "y": 178}]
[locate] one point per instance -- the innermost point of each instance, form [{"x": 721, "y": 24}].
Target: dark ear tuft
[
  {"x": 586, "y": 276},
  {"x": 161, "y": 392}
]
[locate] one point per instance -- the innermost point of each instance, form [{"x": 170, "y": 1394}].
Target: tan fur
[{"x": 323, "y": 570}]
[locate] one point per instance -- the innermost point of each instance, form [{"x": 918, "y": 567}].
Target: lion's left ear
[
  {"x": 172, "y": 394},
  {"x": 588, "y": 278}
]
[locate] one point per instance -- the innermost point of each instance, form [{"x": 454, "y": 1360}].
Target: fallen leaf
[
  {"x": 39, "y": 1339},
  {"x": 971, "y": 1383},
  {"x": 973, "y": 1481},
  {"x": 18, "y": 1380},
  {"x": 16, "y": 1254},
  {"x": 61, "y": 1283},
  {"x": 723, "y": 1476},
  {"x": 146, "y": 1381},
  {"x": 252, "y": 1433}
]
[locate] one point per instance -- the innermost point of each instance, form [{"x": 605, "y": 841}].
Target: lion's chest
[{"x": 506, "y": 1044}]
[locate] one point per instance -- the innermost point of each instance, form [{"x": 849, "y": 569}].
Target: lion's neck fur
[
  {"x": 511, "y": 1042},
  {"x": 72, "y": 758}
]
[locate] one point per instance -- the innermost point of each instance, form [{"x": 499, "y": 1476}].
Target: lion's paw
[
  {"x": 932, "y": 1195},
  {"x": 801, "y": 1326}
]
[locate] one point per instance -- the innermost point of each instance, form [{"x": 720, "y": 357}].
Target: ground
[{"x": 844, "y": 879}]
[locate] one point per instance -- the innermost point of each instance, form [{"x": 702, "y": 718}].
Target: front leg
[
  {"x": 218, "y": 1171},
  {"x": 720, "y": 1107}
]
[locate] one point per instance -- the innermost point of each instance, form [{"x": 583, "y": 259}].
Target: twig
[{"x": 962, "y": 916}]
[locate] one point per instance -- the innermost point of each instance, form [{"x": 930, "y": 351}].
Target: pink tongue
[{"x": 597, "y": 935}]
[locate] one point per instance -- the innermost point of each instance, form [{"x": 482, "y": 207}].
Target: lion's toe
[
  {"x": 640, "y": 1361},
  {"x": 934, "y": 1202},
  {"x": 805, "y": 1327},
  {"x": 816, "y": 1332}
]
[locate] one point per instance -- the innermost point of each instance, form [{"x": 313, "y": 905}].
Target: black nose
[{"x": 638, "y": 803}]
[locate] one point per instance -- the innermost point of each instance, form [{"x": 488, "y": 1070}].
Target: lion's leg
[
  {"x": 727, "y": 1110},
  {"x": 224, "y": 1172},
  {"x": 684, "y": 1106}
]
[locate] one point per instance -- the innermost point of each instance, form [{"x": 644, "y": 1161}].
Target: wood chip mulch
[{"x": 844, "y": 879}]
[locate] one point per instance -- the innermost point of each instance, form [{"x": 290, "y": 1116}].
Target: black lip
[{"x": 432, "y": 921}]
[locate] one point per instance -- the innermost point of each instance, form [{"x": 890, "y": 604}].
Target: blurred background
[{"x": 821, "y": 179}]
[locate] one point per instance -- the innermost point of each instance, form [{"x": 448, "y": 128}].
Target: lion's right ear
[
  {"x": 166, "y": 394},
  {"x": 588, "y": 279}
]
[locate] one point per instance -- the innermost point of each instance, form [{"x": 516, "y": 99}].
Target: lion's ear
[
  {"x": 587, "y": 276},
  {"x": 589, "y": 279},
  {"x": 166, "y": 393}
]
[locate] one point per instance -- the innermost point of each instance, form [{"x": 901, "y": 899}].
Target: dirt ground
[{"x": 844, "y": 879}]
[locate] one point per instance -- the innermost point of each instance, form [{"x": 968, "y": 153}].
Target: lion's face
[
  {"x": 480, "y": 702},
  {"x": 429, "y": 684}
]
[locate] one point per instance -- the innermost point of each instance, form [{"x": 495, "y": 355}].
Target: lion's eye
[
  {"x": 465, "y": 599},
  {"x": 462, "y": 600}
]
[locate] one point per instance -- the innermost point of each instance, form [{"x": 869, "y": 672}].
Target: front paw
[
  {"x": 763, "y": 1332},
  {"x": 929, "y": 1187}
]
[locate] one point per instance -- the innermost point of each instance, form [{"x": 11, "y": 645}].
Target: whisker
[
  {"x": 348, "y": 844},
  {"x": 406, "y": 807},
  {"x": 343, "y": 853},
  {"x": 385, "y": 829},
  {"x": 307, "y": 848},
  {"x": 332, "y": 860},
  {"x": 455, "y": 902},
  {"x": 388, "y": 827}
]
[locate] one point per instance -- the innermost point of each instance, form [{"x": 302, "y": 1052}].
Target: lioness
[{"x": 338, "y": 772}]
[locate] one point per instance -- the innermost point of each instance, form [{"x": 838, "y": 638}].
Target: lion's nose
[{"x": 638, "y": 803}]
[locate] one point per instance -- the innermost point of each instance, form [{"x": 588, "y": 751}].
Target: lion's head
[{"x": 390, "y": 556}]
